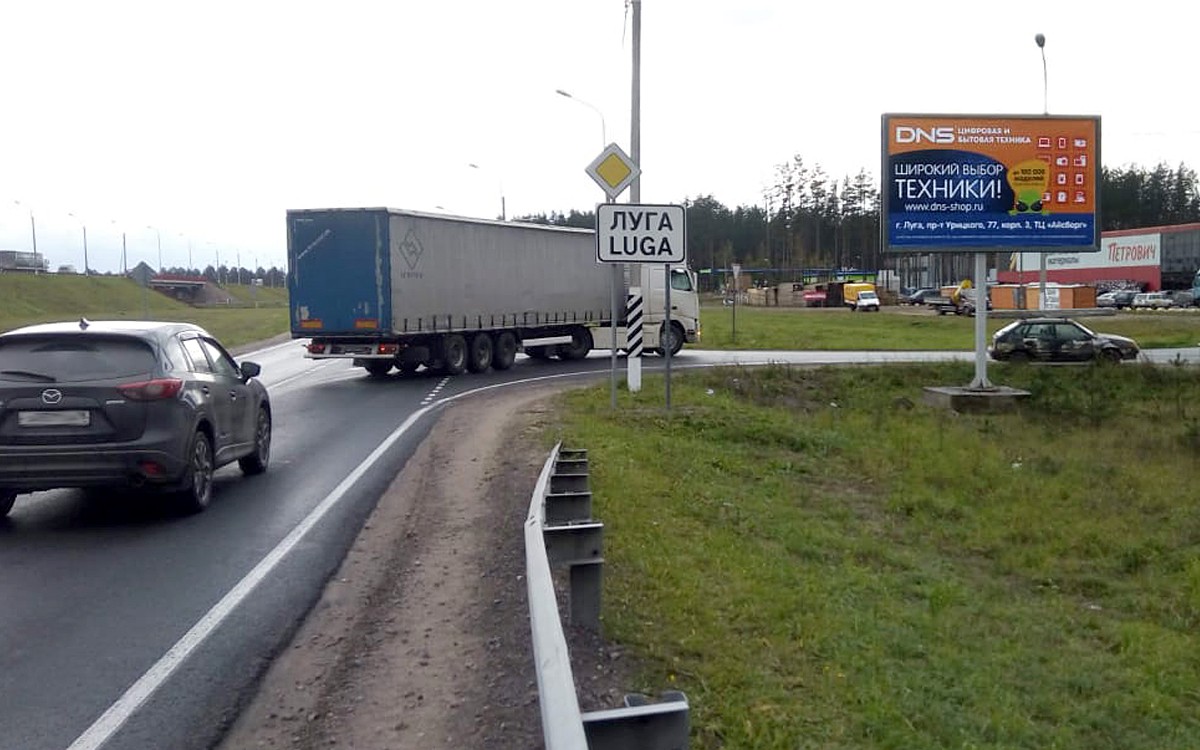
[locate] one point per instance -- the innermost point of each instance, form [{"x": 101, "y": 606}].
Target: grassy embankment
[
  {"x": 26, "y": 299},
  {"x": 819, "y": 560}
]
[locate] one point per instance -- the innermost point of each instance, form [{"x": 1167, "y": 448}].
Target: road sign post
[
  {"x": 644, "y": 233},
  {"x": 614, "y": 172},
  {"x": 737, "y": 272}
]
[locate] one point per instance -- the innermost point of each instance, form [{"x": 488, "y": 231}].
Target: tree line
[{"x": 810, "y": 220}]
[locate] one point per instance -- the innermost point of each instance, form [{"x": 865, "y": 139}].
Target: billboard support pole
[
  {"x": 980, "y": 383},
  {"x": 1042, "y": 284}
]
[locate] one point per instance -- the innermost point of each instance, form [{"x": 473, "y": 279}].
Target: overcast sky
[{"x": 202, "y": 123}]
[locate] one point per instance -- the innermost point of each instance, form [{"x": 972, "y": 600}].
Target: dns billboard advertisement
[{"x": 963, "y": 182}]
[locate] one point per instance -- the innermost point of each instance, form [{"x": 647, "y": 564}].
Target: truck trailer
[{"x": 390, "y": 288}]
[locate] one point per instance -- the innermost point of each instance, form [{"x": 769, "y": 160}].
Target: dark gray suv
[{"x": 126, "y": 403}]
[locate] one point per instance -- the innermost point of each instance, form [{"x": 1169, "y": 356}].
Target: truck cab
[{"x": 866, "y": 302}]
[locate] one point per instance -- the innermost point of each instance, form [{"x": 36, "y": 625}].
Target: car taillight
[{"x": 152, "y": 390}]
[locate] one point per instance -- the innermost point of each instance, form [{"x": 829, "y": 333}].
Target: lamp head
[{"x": 1041, "y": 40}]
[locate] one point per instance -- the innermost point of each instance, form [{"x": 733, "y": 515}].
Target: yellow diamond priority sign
[{"x": 613, "y": 171}]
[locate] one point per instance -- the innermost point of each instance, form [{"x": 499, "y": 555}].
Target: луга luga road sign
[
  {"x": 985, "y": 182},
  {"x": 641, "y": 233}
]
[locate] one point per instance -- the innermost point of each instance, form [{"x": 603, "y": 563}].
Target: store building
[{"x": 1151, "y": 259}]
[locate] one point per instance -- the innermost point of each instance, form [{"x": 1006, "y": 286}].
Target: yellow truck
[{"x": 860, "y": 296}]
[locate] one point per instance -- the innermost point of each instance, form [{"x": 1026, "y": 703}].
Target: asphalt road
[{"x": 123, "y": 625}]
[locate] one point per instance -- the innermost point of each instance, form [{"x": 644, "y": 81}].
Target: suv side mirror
[{"x": 250, "y": 370}]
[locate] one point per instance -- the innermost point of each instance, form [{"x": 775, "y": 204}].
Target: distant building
[{"x": 1152, "y": 259}]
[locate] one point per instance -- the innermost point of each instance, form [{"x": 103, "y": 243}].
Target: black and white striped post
[{"x": 633, "y": 338}]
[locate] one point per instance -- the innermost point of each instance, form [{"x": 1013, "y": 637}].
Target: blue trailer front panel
[{"x": 339, "y": 280}]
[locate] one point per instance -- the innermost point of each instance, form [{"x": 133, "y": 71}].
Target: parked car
[
  {"x": 866, "y": 302},
  {"x": 1052, "y": 339},
  {"x": 1118, "y": 298},
  {"x": 126, "y": 404},
  {"x": 1152, "y": 301},
  {"x": 918, "y": 296}
]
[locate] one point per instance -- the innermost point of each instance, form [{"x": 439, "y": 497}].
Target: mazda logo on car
[{"x": 51, "y": 396}]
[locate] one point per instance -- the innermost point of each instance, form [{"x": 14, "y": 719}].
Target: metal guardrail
[{"x": 560, "y": 530}]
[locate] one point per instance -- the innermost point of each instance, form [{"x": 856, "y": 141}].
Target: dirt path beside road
[{"x": 421, "y": 639}]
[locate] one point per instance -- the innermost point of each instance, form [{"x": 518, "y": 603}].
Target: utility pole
[{"x": 1041, "y": 43}]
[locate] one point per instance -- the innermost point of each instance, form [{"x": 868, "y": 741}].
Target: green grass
[
  {"x": 27, "y": 299},
  {"x": 906, "y": 329},
  {"x": 819, "y": 560}
]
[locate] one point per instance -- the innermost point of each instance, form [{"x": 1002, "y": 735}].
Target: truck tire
[
  {"x": 454, "y": 354},
  {"x": 378, "y": 368},
  {"x": 581, "y": 344},
  {"x": 504, "y": 352},
  {"x": 480, "y": 352},
  {"x": 672, "y": 337},
  {"x": 407, "y": 368}
]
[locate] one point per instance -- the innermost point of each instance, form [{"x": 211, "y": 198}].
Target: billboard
[{"x": 957, "y": 183}]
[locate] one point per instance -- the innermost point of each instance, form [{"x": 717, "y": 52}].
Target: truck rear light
[
  {"x": 389, "y": 348},
  {"x": 316, "y": 347},
  {"x": 152, "y": 390}
]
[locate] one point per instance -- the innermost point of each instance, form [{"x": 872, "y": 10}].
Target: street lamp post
[
  {"x": 503, "y": 211},
  {"x": 1041, "y": 43},
  {"x": 85, "y": 258},
  {"x": 603, "y": 129}
]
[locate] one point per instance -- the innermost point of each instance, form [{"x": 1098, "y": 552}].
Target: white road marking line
[{"x": 436, "y": 390}]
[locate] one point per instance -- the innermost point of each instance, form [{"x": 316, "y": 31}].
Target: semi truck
[{"x": 390, "y": 288}]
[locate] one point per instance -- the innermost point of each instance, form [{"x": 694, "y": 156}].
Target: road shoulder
[{"x": 421, "y": 638}]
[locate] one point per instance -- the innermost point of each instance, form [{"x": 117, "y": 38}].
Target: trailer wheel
[
  {"x": 504, "y": 351},
  {"x": 581, "y": 344},
  {"x": 407, "y": 368},
  {"x": 454, "y": 354},
  {"x": 479, "y": 355},
  {"x": 378, "y": 368}
]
